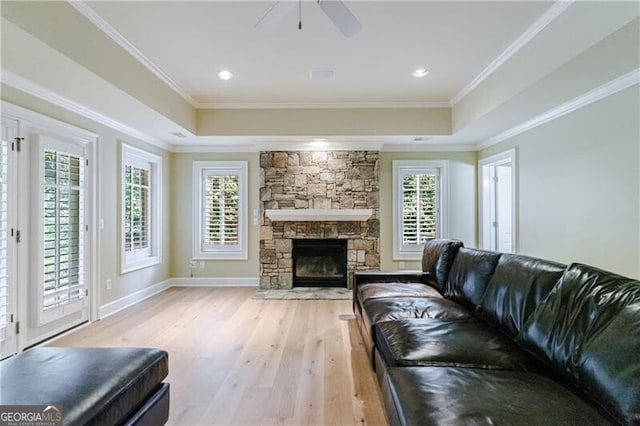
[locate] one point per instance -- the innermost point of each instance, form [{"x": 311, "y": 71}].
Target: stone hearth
[{"x": 318, "y": 180}]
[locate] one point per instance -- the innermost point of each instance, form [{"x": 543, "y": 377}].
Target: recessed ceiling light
[
  {"x": 225, "y": 75},
  {"x": 420, "y": 72}
]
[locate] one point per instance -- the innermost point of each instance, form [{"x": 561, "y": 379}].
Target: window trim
[
  {"x": 406, "y": 252},
  {"x": 235, "y": 252},
  {"x": 131, "y": 155}
]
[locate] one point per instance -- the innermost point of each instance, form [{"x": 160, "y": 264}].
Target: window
[
  {"x": 141, "y": 187},
  {"x": 419, "y": 193},
  {"x": 220, "y": 218}
]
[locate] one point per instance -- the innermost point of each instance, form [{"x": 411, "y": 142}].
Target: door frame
[
  {"x": 30, "y": 121},
  {"x": 494, "y": 160},
  {"x": 12, "y": 245}
]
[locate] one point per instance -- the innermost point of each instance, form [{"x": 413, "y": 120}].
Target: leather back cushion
[
  {"x": 437, "y": 258},
  {"x": 515, "y": 289},
  {"x": 559, "y": 327},
  {"x": 469, "y": 275},
  {"x": 609, "y": 361}
]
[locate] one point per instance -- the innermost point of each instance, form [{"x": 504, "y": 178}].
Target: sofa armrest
[
  {"x": 361, "y": 277},
  {"x": 364, "y": 277}
]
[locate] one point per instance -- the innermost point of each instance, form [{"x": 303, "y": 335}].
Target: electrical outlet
[
  {"x": 202, "y": 264},
  {"x": 192, "y": 264},
  {"x": 108, "y": 284},
  {"x": 403, "y": 265}
]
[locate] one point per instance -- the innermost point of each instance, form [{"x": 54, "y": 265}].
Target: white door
[
  {"x": 8, "y": 239},
  {"x": 45, "y": 240},
  {"x": 504, "y": 225},
  {"x": 497, "y": 202}
]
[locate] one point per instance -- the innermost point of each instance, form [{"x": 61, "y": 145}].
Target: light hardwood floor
[{"x": 236, "y": 360}]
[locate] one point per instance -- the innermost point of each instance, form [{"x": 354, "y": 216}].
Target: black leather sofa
[
  {"x": 90, "y": 386},
  {"x": 481, "y": 337}
]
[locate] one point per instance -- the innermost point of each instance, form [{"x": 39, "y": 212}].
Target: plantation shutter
[
  {"x": 221, "y": 204},
  {"x": 62, "y": 221},
  {"x": 419, "y": 207},
  {"x": 137, "y": 201}
]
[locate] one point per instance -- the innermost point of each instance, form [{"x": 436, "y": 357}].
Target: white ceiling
[
  {"x": 190, "y": 41},
  {"x": 495, "y": 66}
]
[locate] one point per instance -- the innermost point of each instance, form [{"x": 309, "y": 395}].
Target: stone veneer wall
[{"x": 318, "y": 180}]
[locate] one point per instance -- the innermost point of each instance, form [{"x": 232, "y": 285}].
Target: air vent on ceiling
[
  {"x": 316, "y": 74},
  {"x": 421, "y": 139},
  {"x": 178, "y": 134}
]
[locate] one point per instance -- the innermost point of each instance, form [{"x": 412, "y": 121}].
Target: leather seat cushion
[
  {"x": 469, "y": 275},
  {"x": 448, "y": 343},
  {"x": 437, "y": 258},
  {"x": 387, "y": 309},
  {"x": 101, "y": 386},
  {"x": 515, "y": 289},
  {"x": 450, "y": 396},
  {"x": 378, "y": 290},
  {"x": 565, "y": 319},
  {"x": 609, "y": 359}
]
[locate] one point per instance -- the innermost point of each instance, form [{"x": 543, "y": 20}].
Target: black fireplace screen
[{"x": 319, "y": 263}]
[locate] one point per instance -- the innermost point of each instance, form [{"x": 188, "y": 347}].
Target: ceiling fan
[{"x": 337, "y": 12}]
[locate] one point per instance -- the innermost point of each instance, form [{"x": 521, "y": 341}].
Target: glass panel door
[{"x": 8, "y": 342}]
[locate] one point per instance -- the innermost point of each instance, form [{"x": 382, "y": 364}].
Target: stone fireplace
[{"x": 325, "y": 192}]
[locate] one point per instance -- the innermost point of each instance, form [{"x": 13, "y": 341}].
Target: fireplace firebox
[{"x": 319, "y": 263}]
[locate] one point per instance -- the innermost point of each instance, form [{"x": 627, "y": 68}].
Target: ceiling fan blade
[
  {"x": 341, "y": 16},
  {"x": 275, "y": 14}
]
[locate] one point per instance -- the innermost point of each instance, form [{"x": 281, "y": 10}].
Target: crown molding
[
  {"x": 540, "y": 24},
  {"x": 23, "y": 84},
  {"x": 319, "y": 105},
  {"x": 106, "y": 28},
  {"x": 428, "y": 148},
  {"x": 627, "y": 80},
  {"x": 19, "y": 113},
  {"x": 213, "y": 148},
  {"x": 329, "y": 146}
]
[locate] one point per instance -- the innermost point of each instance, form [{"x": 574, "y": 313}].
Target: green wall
[
  {"x": 462, "y": 200},
  {"x": 181, "y": 213},
  {"x": 109, "y": 199}
]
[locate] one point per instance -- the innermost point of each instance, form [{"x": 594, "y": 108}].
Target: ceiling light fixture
[
  {"x": 420, "y": 72},
  {"x": 225, "y": 75}
]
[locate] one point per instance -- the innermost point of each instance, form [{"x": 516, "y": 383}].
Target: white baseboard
[
  {"x": 215, "y": 282},
  {"x": 124, "y": 302},
  {"x": 140, "y": 295}
]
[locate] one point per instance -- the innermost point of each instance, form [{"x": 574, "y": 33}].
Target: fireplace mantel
[{"x": 318, "y": 215}]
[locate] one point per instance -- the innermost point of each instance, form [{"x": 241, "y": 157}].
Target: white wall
[{"x": 579, "y": 185}]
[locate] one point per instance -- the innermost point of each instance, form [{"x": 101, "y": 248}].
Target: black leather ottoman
[{"x": 92, "y": 386}]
